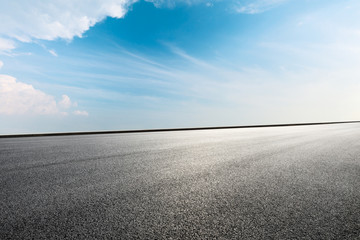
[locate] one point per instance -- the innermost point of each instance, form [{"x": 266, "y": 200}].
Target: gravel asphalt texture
[{"x": 298, "y": 182}]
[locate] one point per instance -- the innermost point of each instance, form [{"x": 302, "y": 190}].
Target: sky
[{"x": 70, "y": 65}]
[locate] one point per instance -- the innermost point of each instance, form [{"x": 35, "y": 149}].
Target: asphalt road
[{"x": 271, "y": 183}]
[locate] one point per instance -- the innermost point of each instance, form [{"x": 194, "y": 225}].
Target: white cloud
[
  {"x": 1, "y": 64},
  {"x": 52, "y": 52},
  {"x": 65, "y": 102},
  {"x": 48, "y": 20},
  {"x": 81, "y": 113},
  {"x": 6, "y": 44},
  {"x": 20, "y": 98}
]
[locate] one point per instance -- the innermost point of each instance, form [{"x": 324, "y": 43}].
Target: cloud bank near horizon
[{"x": 19, "y": 98}]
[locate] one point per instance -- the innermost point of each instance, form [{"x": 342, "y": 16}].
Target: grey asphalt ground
[{"x": 270, "y": 183}]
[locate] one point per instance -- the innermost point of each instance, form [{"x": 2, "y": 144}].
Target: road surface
[{"x": 298, "y": 182}]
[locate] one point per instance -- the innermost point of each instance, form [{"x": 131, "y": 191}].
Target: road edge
[{"x": 167, "y": 129}]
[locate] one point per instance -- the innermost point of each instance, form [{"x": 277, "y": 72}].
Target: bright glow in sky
[{"x": 68, "y": 65}]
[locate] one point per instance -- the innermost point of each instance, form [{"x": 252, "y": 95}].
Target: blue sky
[{"x": 119, "y": 64}]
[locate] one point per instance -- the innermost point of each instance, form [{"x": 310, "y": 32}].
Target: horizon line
[{"x": 166, "y": 129}]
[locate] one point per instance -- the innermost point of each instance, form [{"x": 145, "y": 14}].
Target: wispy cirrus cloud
[
  {"x": 174, "y": 3},
  {"x": 240, "y": 6},
  {"x": 214, "y": 92},
  {"x": 256, "y": 6},
  {"x": 53, "y": 52}
]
